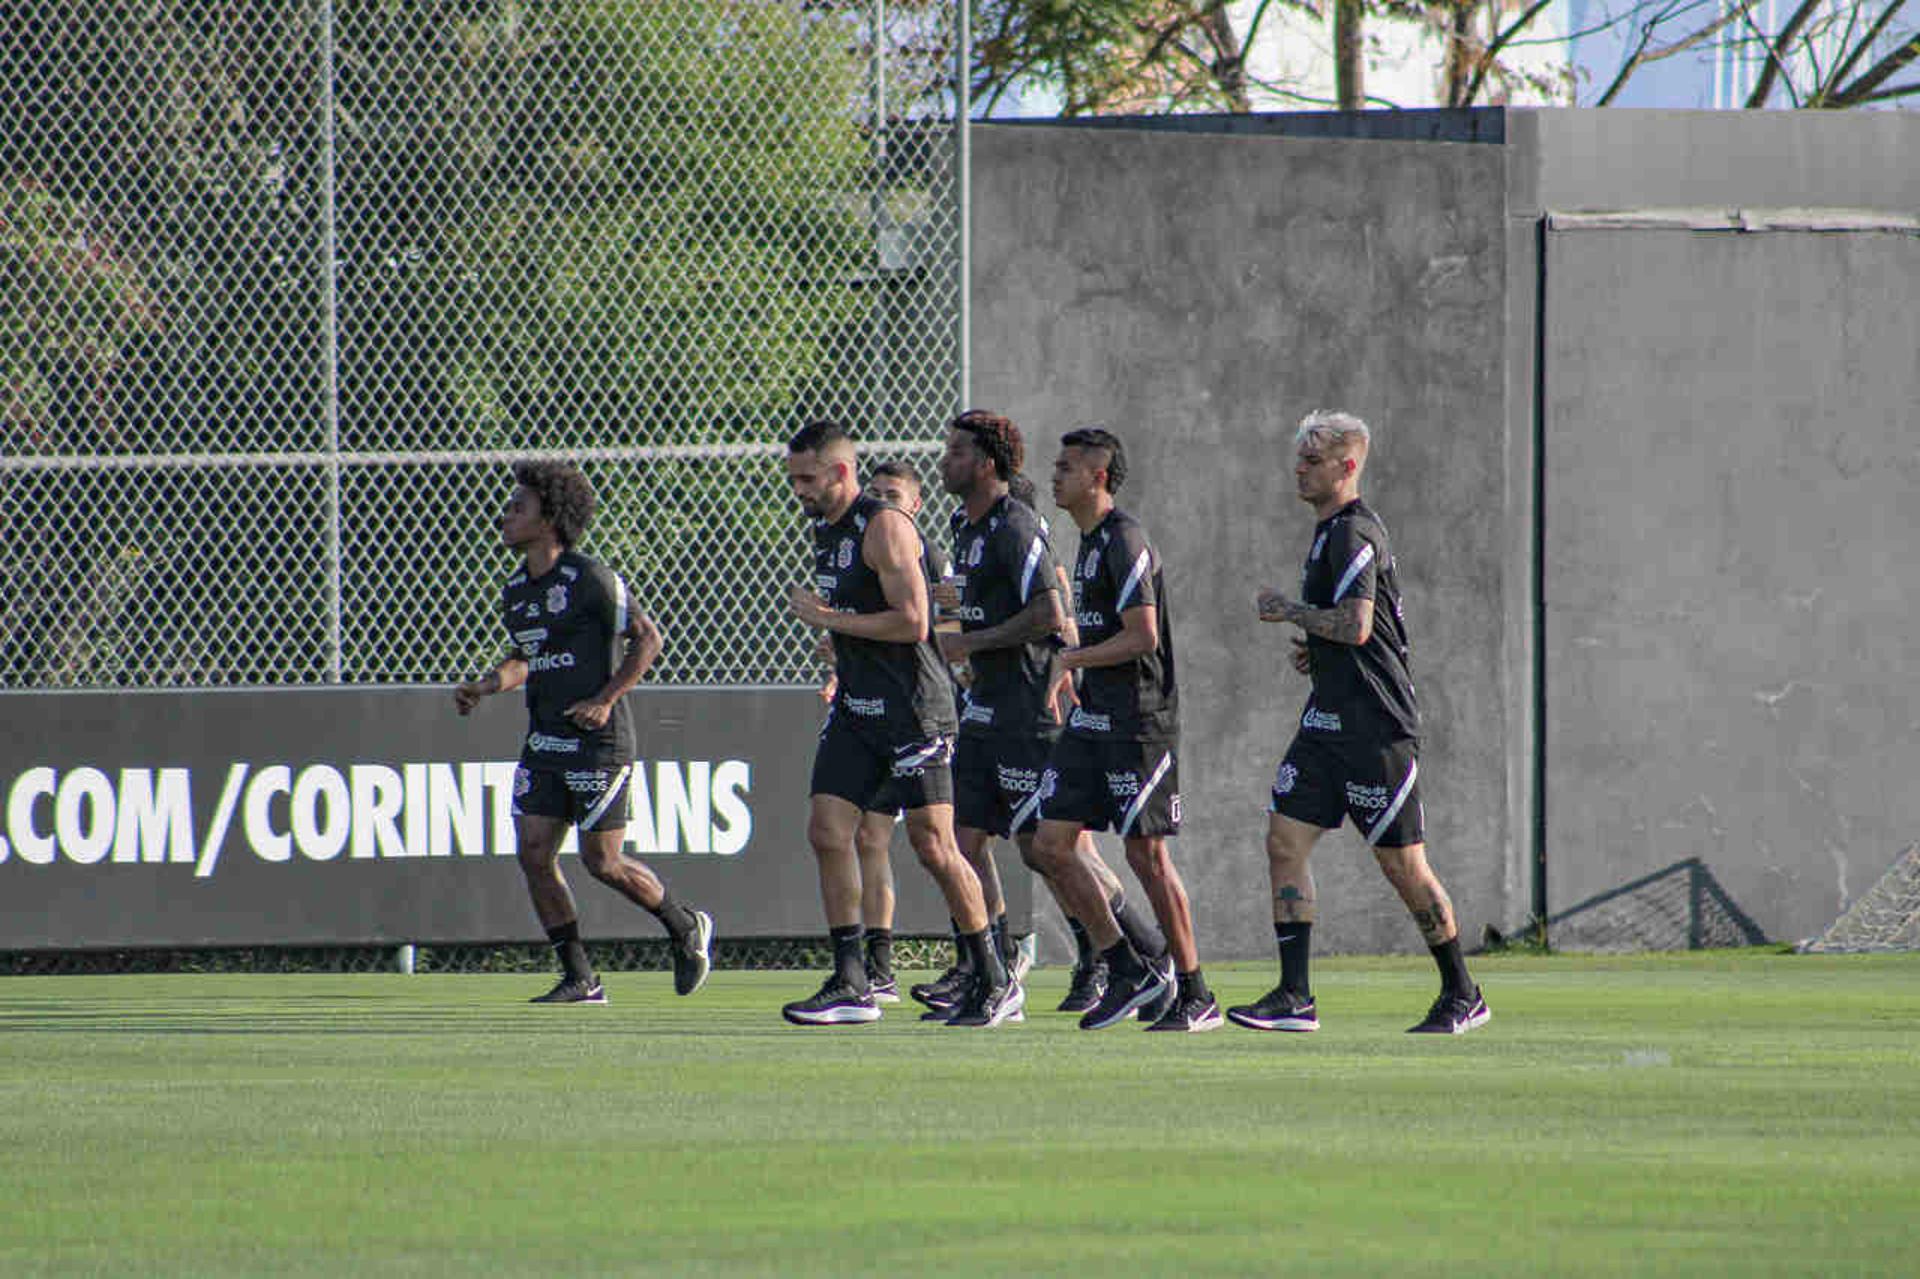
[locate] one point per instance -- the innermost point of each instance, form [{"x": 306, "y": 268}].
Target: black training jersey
[
  {"x": 567, "y": 626},
  {"x": 903, "y": 690},
  {"x": 1001, "y": 563},
  {"x": 1363, "y": 690},
  {"x": 1118, "y": 569}
]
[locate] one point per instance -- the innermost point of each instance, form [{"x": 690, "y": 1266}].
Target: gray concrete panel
[
  {"x": 1624, "y": 159},
  {"x": 1732, "y": 576},
  {"x": 1200, "y": 294}
]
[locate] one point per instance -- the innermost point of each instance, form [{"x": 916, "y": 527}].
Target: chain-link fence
[{"x": 284, "y": 287}]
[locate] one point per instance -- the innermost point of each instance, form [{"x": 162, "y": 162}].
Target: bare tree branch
[
  {"x": 1776, "y": 65},
  {"x": 1864, "y": 89},
  {"x": 1491, "y": 53}
]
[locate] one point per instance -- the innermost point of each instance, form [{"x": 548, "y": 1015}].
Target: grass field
[{"x": 1749, "y": 1113}]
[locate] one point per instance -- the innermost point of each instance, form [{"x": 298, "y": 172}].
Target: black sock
[
  {"x": 848, "y": 963},
  {"x": 985, "y": 956},
  {"x": 1453, "y": 967},
  {"x": 677, "y": 918},
  {"x": 572, "y": 952},
  {"x": 1193, "y": 985},
  {"x": 880, "y": 954},
  {"x": 1123, "y": 962},
  {"x": 1295, "y": 941},
  {"x": 962, "y": 959},
  {"x": 1138, "y": 927},
  {"x": 1083, "y": 955}
]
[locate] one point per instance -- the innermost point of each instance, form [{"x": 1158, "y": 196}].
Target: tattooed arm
[{"x": 1348, "y": 622}]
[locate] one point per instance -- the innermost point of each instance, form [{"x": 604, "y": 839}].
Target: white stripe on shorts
[
  {"x": 1146, "y": 792},
  {"x": 1399, "y": 800},
  {"x": 607, "y": 797}
]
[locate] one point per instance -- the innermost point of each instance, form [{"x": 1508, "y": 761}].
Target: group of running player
[{"x": 996, "y": 695}]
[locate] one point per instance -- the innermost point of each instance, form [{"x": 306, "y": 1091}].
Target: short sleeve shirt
[
  {"x": 1001, "y": 563},
  {"x": 1117, "y": 569},
  {"x": 1358, "y": 690},
  {"x": 567, "y": 626}
]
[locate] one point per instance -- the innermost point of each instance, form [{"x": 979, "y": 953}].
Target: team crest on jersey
[
  {"x": 1092, "y": 564},
  {"x": 1284, "y": 779},
  {"x": 975, "y": 552},
  {"x": 522, "y": 782},
  {"x": 844, "y": 556},
  {"x": 557, "y": 600}
]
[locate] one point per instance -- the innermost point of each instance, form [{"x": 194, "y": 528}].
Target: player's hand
[
  {"x": 1272, "y": 606},
  {"x": 953, "y": 646},
  {"x": 467, "y": 696},
  {"x": 823, "y": 646},
  {"x": 590, "y": 714},
  {"x": 945, "y": 594},
  {"x": 828, "y": 689},
  {"x": 809, "y": 606},
  {"x": 1061, "y": 696},
  {"x": 1299, "y": 655}
]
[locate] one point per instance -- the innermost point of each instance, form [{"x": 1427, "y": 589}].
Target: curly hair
[
  {"x": 1099, "y": 437},
  {"x": 565, "y": 496},
  {"x": 995, "y": 436}
]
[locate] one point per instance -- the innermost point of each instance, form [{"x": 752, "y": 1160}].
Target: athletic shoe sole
[
  {"x": 853, "y": 1015},
  {"x": 1299, "y": 1025}
]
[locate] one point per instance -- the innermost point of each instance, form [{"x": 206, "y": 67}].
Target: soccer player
[
  {"x": 898, "y": 484},
  {"x": 1357, "y": 751},
  {"x": 888, "y": 739},
  {"x": 1011, "y": 610},
  {"x": 1114, "y": 766},
  {"x": 578, "y": 646}
]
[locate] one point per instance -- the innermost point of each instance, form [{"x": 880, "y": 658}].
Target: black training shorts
[
  {"x": 1377, "y": 783},
  {"x": 996, "y": 783},
  {"x": 592, "y": 797},
  {"x": 880, "y": 776},
  {"x": 1130, "y": 788}
]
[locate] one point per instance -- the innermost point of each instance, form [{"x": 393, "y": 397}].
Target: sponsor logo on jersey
[
  {"x": 1123, "y": 785},
  {"x": 970, "y": 613},
  {"x": 827, "y": 583},
  {"x": 548, "y": 744},
  {"x": 1283, "y": 781},
  {"x": 1088, "y": 619},
  {"x": 530, "y": 638},
  {"x": 560, "y": 661},
  {"x": 976, "y": 714},
  {"x": 557, "y": 600},
  {"x": 587, "y": 781},
  {"x": 1091, "y": 722},
  {"x": 1326, "y": 721},
  {"x": 870, "y": 707}
]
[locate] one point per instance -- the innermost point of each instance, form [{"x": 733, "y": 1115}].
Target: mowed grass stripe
[{"x": 1747, "y": 1112}]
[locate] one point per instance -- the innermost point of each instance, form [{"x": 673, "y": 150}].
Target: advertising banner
[{"x": 351, "y": 816}]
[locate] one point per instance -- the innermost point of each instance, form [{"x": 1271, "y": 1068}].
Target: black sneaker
[
  {"x": 885, "y": 990},
  {"x": 574, "y": 990},
  {"x": 990, "y": 1005},
  {"x": 944, "y": 991},
  {"x": 1192, "y": 1015},
  {"x": 1124, "y": 995},
  {"x": 693, "y": 955},
  {"x": 1278, "y": 1009},
  {"x": 1154, "y": 1009},
  {"x": 1088, "y": 984},
  {"x": 834, "y": 1004},
  {"x": 1454, "y": 1015}
]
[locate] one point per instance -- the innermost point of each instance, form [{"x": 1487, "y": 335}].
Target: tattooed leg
[{"x": 1420, "y": 889}]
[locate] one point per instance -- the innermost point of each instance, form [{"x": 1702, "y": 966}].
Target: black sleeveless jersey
[
  {"x": 1001, "y": 563},
  {"x": 902, "y": 690},
  {"x": 1118, "y": 569},
  {"x": 1358, "y": 690},
  {"x": 567, "y": 626}
]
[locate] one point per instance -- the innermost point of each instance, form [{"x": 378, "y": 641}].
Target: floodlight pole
[
  {"x": 963, "y": 191},
  {"x": 330, "y": 356}
]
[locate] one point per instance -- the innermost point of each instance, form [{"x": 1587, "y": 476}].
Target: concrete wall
[
  {"x": 1200, "y": 294},
  {"x": 1733, "y": 571}
]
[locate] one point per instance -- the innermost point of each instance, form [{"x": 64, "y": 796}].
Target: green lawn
[{"x": 1747, "y": 1113}]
